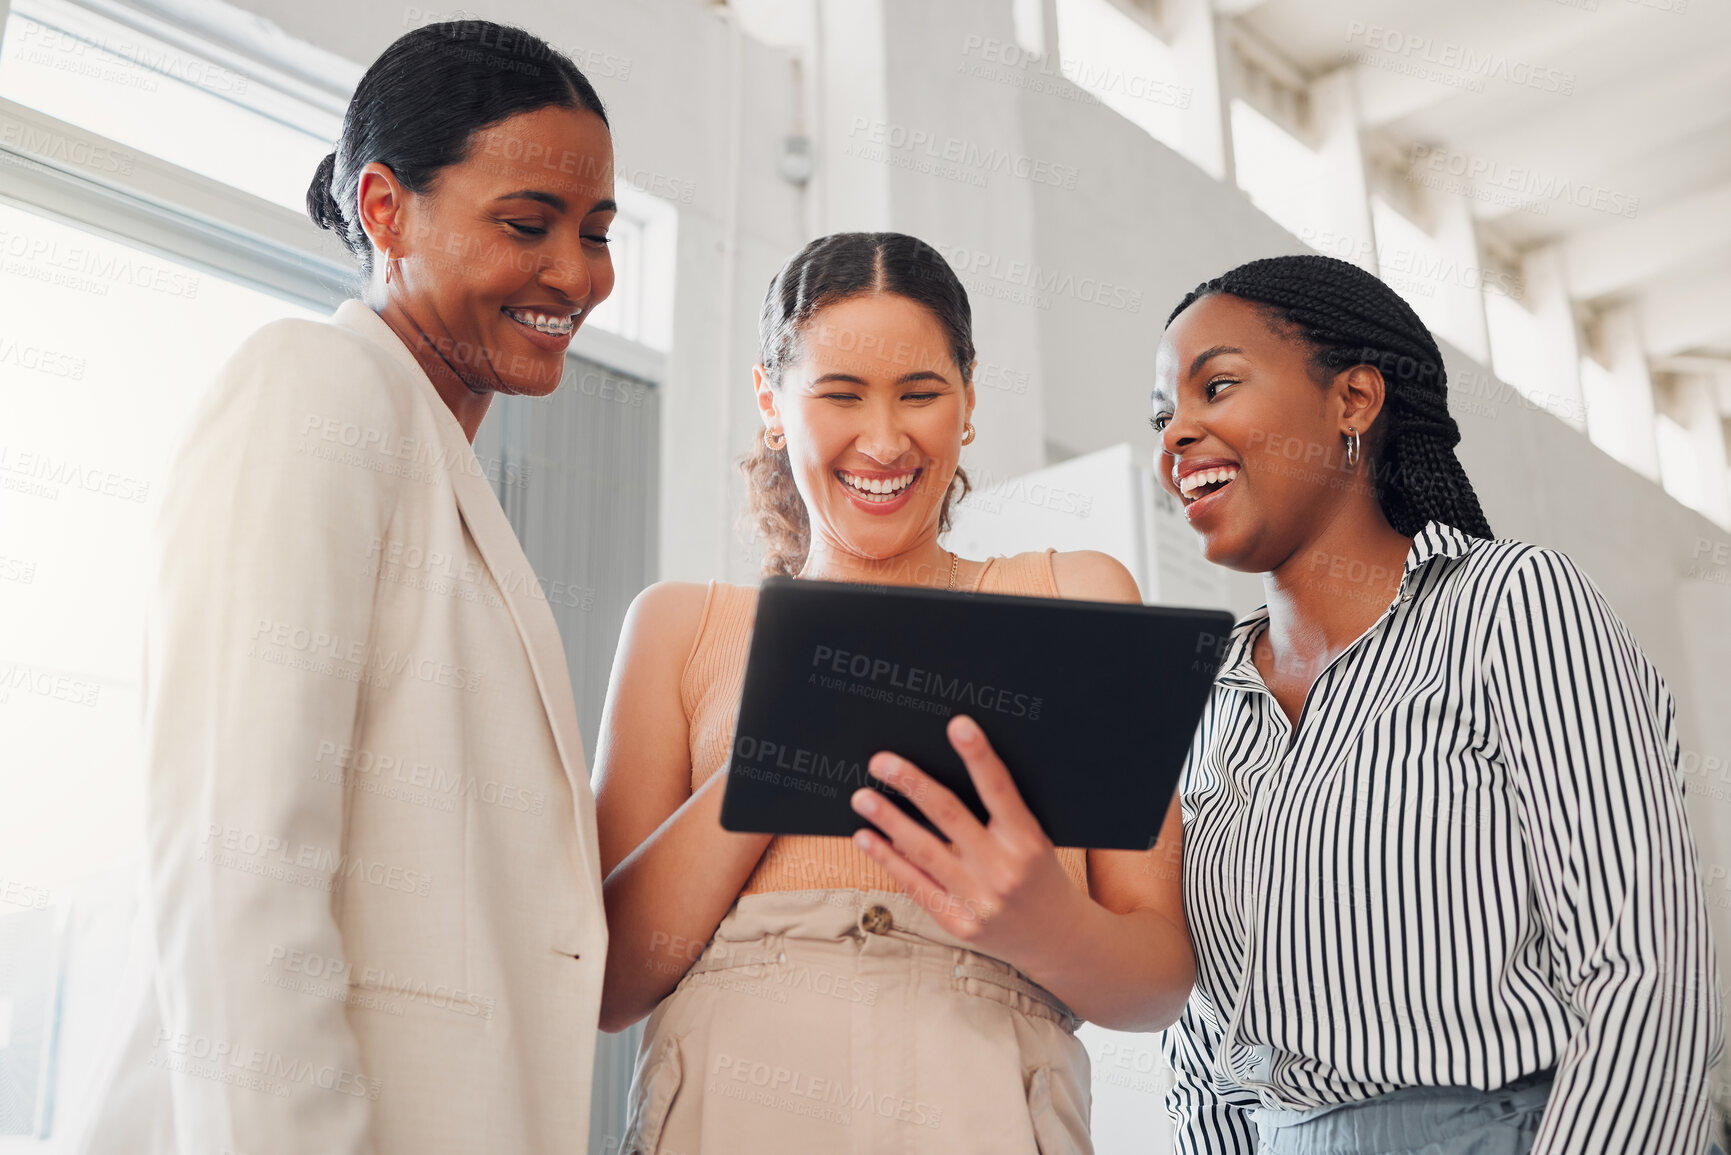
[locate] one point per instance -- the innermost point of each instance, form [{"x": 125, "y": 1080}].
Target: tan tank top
[{"x": 709, "y": 690}]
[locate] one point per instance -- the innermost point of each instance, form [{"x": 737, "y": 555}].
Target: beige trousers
[{"x": 848, "y": 1021}]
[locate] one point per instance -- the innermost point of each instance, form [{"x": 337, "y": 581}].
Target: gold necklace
[{"x": 954, "y": 561}]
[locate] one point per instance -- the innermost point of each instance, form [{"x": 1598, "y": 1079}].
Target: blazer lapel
[
  {"x": 511, "y": 571},
  {"x": 504, "y": 556}
]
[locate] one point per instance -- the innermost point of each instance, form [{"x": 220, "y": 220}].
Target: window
[
  {"x": 641, "y": 241},
  {"x": 145, "y": 92},
  {"x": 104, "y": 347}
]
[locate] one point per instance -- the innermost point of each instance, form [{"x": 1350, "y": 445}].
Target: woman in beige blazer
[{"x": 371, "y": 839}]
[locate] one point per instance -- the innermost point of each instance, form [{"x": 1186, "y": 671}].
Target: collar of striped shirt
[{"x": 1435, "y": 540}]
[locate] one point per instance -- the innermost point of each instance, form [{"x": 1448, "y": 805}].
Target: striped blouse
[{"x": 1469, "y": 863}]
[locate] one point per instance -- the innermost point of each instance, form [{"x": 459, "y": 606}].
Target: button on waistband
[{"x": 876, "y": 919}]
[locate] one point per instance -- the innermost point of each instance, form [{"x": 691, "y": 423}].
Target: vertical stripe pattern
[{"x": 1470, "y": 863}]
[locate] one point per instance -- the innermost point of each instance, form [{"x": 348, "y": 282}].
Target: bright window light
[
  {"x": 621, "y": 313},
  {"x": 1282, "y": 176},
  {"x": 104, "y": 348},
  {"x": 74, "y": 65},
  {"x": 642, "y": 242},
  {"x": 1110, "y": 55}
]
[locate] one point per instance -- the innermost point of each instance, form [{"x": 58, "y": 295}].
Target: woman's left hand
[{"x": 997, "y": 886}]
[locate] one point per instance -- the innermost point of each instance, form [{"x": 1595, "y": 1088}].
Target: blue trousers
[
  {"x": 1413, "y": 1121},
  {"x": 1417, "y": 1121}
]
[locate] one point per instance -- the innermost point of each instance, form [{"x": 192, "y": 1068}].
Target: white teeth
[
  {"x": 1191, "y": 482},
  {"x": 875, "y": 485},
  {"x": 542, "y": 322}
]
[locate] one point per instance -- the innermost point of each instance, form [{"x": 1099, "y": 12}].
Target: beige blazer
[{"x": 372, "y": 870}]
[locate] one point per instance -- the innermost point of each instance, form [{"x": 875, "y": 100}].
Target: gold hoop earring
[
  {"x": 775, "y": 439},
  {"x": 968, "y": 433},
  {"x": 1352, "y": 446}
]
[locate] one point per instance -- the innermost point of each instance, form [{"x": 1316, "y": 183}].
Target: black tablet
[{"x": 1091, "y": 705}]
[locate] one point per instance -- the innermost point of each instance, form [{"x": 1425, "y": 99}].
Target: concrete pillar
[
  {"x": 1546, "y": 291},
  {"x": 1344, "y": 196},
  {"x": 850, "y": 187},
  {"x": 1037, "y": 26},
  {"x": 1460, "y": 278},
  {"x": 1198, "y": 39},
  {"x": 1620, "y": 412},
  {"x": 1695, "y": 406}
]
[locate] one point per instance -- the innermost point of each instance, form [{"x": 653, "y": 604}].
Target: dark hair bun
[{"x": 322, "y": 207}]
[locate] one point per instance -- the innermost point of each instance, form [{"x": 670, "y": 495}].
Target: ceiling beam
[
  {"x": 1474, "y": 61},
  {"x": 1597, "y": 142},
  {"x": 1683, "y": 315},
  {"x": 1617, "y": 256},
  {"x": 1237, "y": 7}
]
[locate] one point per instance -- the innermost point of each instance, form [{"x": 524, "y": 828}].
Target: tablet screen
[{"x": 1091, "y": 705}]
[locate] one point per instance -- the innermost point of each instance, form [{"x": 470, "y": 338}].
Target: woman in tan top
[{"x": 894, "y": 991}]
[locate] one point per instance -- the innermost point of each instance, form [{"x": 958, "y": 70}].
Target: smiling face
[
  {"x": 1250, "y": 440},
  {"x": 506, "y": 254},
  {"x": 873, "y": 406}
]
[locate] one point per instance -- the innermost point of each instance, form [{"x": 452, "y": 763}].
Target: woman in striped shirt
[{"x": 1437, "y": 870}]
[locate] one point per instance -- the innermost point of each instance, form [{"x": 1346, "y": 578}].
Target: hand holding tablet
[{"x": 1003, "y": 872}]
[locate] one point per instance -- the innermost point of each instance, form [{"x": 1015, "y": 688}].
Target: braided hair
[{"x": 1348, "y": 317}]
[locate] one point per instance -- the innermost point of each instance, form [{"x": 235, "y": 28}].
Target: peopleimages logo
[
  {"x": 1029, "y": 283},
  {"x": 43, "y": 144},
  {"x": 52, "y": 472},
  {"x": 256, "y": 1067},
  {"x": 98, "y": 265},
  {"x": 800, "y": 1093},
  {"x": 758, "y": 759},
  {"x": 1455, "y": 57},
  {"x": 968, "y": 154},
  {"x": 956, "y": 690},
  {"x": 1436, "y": 167},
  {"x": 1009, "y": 63},
  {"x": 267, "y": 854}
]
